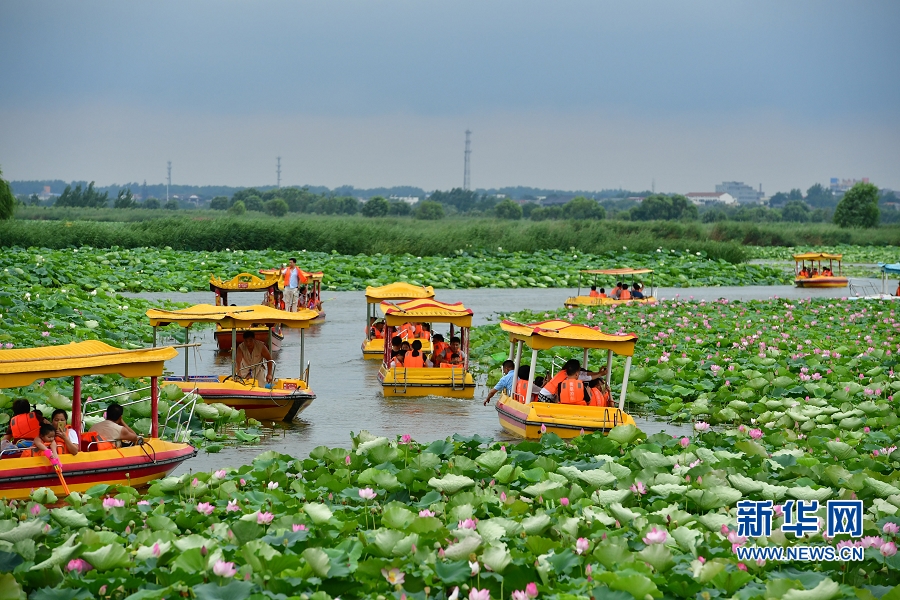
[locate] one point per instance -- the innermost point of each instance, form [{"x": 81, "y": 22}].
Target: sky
[{"x": 569, "y": 94}]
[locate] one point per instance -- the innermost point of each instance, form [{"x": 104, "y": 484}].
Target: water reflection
[{"x": 349, "y": 395}]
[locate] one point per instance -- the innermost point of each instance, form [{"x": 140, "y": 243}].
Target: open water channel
[{"x": 349, "y": 396}]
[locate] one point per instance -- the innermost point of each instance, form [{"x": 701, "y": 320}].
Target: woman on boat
[
  {"x": 415, "y": 358},
  {"x": 599, "y": 390},
  {"x": 65, "y": 435}
]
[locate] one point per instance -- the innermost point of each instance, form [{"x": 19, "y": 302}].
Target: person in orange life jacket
[
  {"x": 398, "y": 359},
  {"x": 437, "y": 348},
  {"x": 636, "y": 290},
  {"x": 454, "y": 361},
  {"x": 897, "y": 293},
  {"x": 451, "y": 349},
  {"x": 616, "y": 291},
  {"x": 524, "y": 387},
  {"x": 113, "y": 428},
  {"x": 505, "y": 382},
  {"x": 599, "y": 391},
  {"x": 551, "y": 387},
  {"x": 624, "y": 294},
  {"x": 423, "y": 331},
  {"x": 293, "y": 277},
  {"x": 594, "y": 293},
  {"x": 376, "y": 331},
  {"x": 46, "y": 440},
  {"x": 25, "y": 424},
  {"x": 395, "y": 345},
  {"x": 601, "y": 293},
  {"x": 415, "y": 358},
  {"x": 571, "y": 389},
  {"x": 64, "y": 433},
  {"x": 803, "y": 274}
]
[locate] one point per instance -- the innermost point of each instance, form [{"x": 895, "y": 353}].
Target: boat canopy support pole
[
  {"x": 302, "y": 349},
  {"x": 154, "y": 406},
  {"x": 584, "y": 362},
  {"x": 625, "y": 383},
  {"x": 512, "y": 346},
  {"x": 269, "y": 342},
  {"x": 187, "y": 355},
  {"x": 154, "y": 336},
  {"x": 608, "y": 367},
  {"x": 76, "y": 404},
  {"x": 233, "y": 351},
  {"x": 532, "y": 373},
  {"x": 518, "y": 361}
]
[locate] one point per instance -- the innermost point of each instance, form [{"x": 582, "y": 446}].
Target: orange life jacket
[
  {"x": 594, "y": 294},
  {"x": 599, "y": 398},
  {"x": 625, "y": 295},
  {"x": 377, "y": 334},
  {"x": 414, "y": 361},
  {"x": 89, "y": 437},
  {"x": 601, "y": 295},
  {"x": 552, "y": 386},
  {"x": 301, "y": 276},
  {"x": 571, "y": 391},
  {"x": 25, "y": 427},
  {"x": 438, "y": 349},
  {"x": 450, "y": 365},
  {"x": 61, "y": 447},
  {"x": 522, "y": 390},
  {"x": 406, "y": 331}
]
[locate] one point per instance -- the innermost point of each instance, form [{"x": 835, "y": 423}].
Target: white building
[
  {"x": 741, "y": 192},
  {"x": 705, "y": 198}
]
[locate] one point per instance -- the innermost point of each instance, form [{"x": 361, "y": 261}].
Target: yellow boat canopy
[
  {"x": 398, "y": 291},
  {"x": 625, "y": 271},
  {"x": 232, "y": 317},
  {"x": 549, "y": 334},
  {"x": 245, "y": 282},
  {"x": 817, "y": 256},
  {"x": 426, "y": 310},
  {"x": 25, "y": 366},
  {"x": 276, "y": 274}
]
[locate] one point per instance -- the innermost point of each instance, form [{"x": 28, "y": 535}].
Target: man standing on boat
[{"x": 293, "y": 277}]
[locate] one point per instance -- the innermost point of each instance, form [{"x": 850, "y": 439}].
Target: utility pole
[
  {"x": 653, "y": 185},
  {"x": 278, "y": 173},
  {"x": 466, "y": 177},
  {"x": 168, "y": 178}
]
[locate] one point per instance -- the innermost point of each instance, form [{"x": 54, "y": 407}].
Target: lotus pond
[
  {"x": 149, "y": 270},
  {"x": 619, "y": 516}
]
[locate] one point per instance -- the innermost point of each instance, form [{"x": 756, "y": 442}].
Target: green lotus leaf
[
  {"x": 318, "y": 561},
  {"x": 840, "y": 450},
  {"x": 318, "y": 512},
  {"x": 715, "y": 497},
  {"x": 624, "y": 434},
  {"x": 451, "y": 483},
  {"x": 492, "y": 460},
  {"x": 593, "y": 477},
  {"x": 608, "y": 497},
  {"x": 687, "y": 539},
  {"x": 464, "y": 547},
  {"x": 808, "y": 493},
  {"x": 60, "y": 555},
  {"x": 668, "y": 489},
  {"x": 825, "y": 590},
  {"x": 544, "y": 488},
  {"x": 497, "y": 557},
  {"x": 397, "y": 516},
  {"x": 44, "y": 495},
  {"x": 507, "y": 473},
  {"x": 714, "y": 521},
  {"x": 648, "y": 459},
  {"x": 622, "y": 514},
  {"x": 491, "y": 529},
  {"x": 535, "y": 524},
  {"x": 26, "y": 530},
  {"x": 773, "y": 492},
  {"x": 881, "y": 488},
  {"x": 745, "y": 484},
  {"x": 147, "y": 552},
  {"x": 112, "y": 556},
  {"x": 658, "y": 556},
  {"x": 69, "y": 518}
]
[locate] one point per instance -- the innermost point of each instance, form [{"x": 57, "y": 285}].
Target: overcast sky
[{"x": 565, "y": 94}]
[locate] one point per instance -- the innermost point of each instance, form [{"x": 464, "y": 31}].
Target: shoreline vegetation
[{"x": 211, "y": 230}]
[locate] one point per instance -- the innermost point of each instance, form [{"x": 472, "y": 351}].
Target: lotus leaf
[
  {"x": 608, "y": 497},
  {"x": 318, "y": 512},
  {"x": 108, "y": 557},
  {"x": 61, "y": 554},
  {"x": 745, "y": 484},
  {"x": 545, "y": 488},
  {"x": 623, "y": 434},
  {"x": 24, "y": 531},
  {"x": 714, "y": 497},
  {"x": 622, "y": 514},
  {"x": 69, "y": 518},
  {"x": 366, "y": 446},
  {"x": 808, "y": 493},
  {"x": 773, "y": 492},
  {"x": 648, "y": 459},
  {"x": 535, "y": 524},
  {"x": 497, "y": 557},
  {"x": 667, "y": 489},
  {"x": 451, "y": 483},
  {"x": 593, "y": 477},
  {"x": 318, "y": 561},
  {"x": 147, "y": 552},
  {"x": 491, "y": 530},
  {"x": 466, "y": 546},
  {"x": 714, "y": 521},
  {"x": 658, "y": 556},
  {"x": 882, "y": 488},
  {"x": 825, "y": 590},
  {"x": 492, "y": 460},
  {"x": 840, "y": 450}
]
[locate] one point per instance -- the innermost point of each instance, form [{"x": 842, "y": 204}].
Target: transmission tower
[
  {"x": 278, "y": 172},
  {"x": 466, "y": 179},
  {"x": 168, "y": 178}
]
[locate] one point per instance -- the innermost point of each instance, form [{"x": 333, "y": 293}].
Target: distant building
[
  {"x": 839, "y": 186},
  {"x": 704, "y": 198},
  {"x": 741, "y": 192},
  {"x": 407, "y": 199}
]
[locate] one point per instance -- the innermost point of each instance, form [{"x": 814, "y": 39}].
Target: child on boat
[
  {"x": 594, "y": 293},
  {"x": 46, "y": 440}
]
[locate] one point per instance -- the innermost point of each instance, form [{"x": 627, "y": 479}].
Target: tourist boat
[
  {"x": 287, "y": 397},
  {"x": 868, "y": 290},
  {"x": 579, "y": 300},
  {"x": 818, "y": 281},
  {"x": 246, "y": 282},
  {"x": 136, "y": 465},
  {"x": 451, "y": 382},
  {"x": 373, "y": 347},
  {"x": 525, "y": 418},
  {"x": 310, "y": 295}
]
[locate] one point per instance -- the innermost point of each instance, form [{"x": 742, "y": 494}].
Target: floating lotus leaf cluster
[{"x": 617, "y": 516}]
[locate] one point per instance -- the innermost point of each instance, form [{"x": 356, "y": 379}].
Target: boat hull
[
  {"x": 223, "y": 337},
  {"x": 565, "y": 420},
  {"x": 426, "y": 381},
  {"x": 578, "y": 301},
  {"x": 821, "y": 282},
  {"x": 374, "y": 349},
  {"x": 285, "y": 401},
  {"x": 126, "y": 466}
]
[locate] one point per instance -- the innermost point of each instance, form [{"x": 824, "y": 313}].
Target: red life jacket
[
  {"x": 88, "y": 437},
  {"x": 414, "y": 361},
  {"x": 521, "y": 394},
  {"x": 599, "y": 398},
  {"x": 594, "y": 294},
  {"x": 25, "y": 427},
  {"x": 61, "y": 447},
  {"x": 301, "y": 275},
  {"x": 552, "y": 386},
  {"x": 625, "y": 295},
  {"x": 571, "y": 391}
]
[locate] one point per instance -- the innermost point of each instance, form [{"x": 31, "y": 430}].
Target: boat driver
[{"x": 254, "y": 361}]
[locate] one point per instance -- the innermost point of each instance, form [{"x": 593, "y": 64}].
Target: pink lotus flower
[
  {"x": 742, "y": 566},
  {"x": 232, "y": 506},
  {"x": 426, "y": 513},
  {"x": 220, "y": 474},
  {"x": 531, "y": 590},
  {"x": 519, "y": 595},
  {"x": 564, "y": 501},
  {"x": 113, "y": 503},
  {"x": 474, "y": 567},
  {"x": 467, "y": 524},
  {"x": 243, "y": 481},
  {"x": 273, "y": 485},
  {"x": 871, "y": 541},
  {"x": 888, "y": 549},
  {"x": 502, "y": 496},
  {"x": 701, "y": 426},
  {"x": 78, "y": 564},
  {"x": 156, "y": 550},
  {"x": 35, "y": 510},
  {"x": 685, "y": 442},
  {"x": 406, "y": 438},
  {"x": 206, "y": 508},
  {"x": 639, "y": 488},
  {"x": 298, "y": 527},
  {"x": 543, "y": 430},
  {"x": 367, "y": 494},
  {"x": 224, "y": 569},
  {"x": 347, "y": 460},
  {"x": 476, "y": 594},
  {"x": 143, "y": 503},
  {"x": 656, "y": 536},
  {"x": 264, "y": 518},
  {"x": 582, "y": 545},
  {"x": 891, "y": 528},
  {"x": 394, "y": 576},
  {"x": 756, "y": 433}
]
